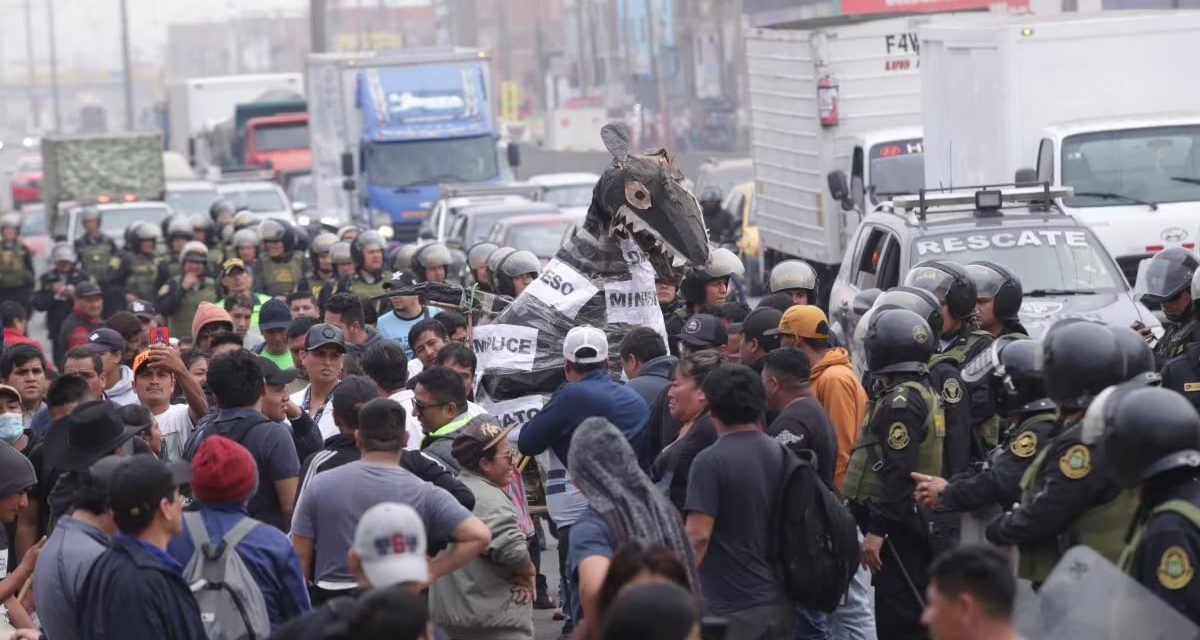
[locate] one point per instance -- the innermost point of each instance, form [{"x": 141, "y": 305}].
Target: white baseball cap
[
  {"x": 390, "y": 543},
  {"x": 590, "y": 338}
]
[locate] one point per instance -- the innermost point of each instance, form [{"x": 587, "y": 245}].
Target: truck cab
[
  {"x": 279, "y": 142},
  {"x": 883, "y": 164},
  {"x": 1136, "y": 181}
]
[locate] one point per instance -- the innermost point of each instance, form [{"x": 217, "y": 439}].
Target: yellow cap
[{"x": 804, "y": 321}]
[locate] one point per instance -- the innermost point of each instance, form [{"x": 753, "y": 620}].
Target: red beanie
[{"x": 223, "y": 471}]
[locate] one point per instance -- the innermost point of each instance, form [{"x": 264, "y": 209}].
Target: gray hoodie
[
  {"x": 121, "y": 393},
  {"x": 16, "y": 471}
]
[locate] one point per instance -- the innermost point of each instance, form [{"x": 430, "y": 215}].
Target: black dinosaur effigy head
[{"x": 641, "y": 196}]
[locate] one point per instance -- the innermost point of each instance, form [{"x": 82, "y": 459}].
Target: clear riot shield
[{"x": 1086, "y": 597}]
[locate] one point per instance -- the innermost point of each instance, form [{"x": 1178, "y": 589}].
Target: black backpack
[{"x": 814, "y": 539}]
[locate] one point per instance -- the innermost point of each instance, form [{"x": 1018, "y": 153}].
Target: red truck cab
[
  {"x": 27, "y": 180},
  {"x": 279, "y": 142}
]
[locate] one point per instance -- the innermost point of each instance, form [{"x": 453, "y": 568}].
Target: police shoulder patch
[
  {"x": 1076, "y": 463},
  {"x": 952, "y": 391},
  {"x": 898, "y": 435},
  {"x": 114, "y": 262},
  {"x": 162, "y": 291},
  {"x": 1189, "y": 387},
  {"x": 1175, "y": 569},
  {"x": 1025, "y": 445}
]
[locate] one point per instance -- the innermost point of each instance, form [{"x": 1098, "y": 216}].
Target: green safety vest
[
  {"x": 447, "y": 429},
  {"x": 1102, "y": 528},
  {"x": 962, "y": 348},
  {"x": 180, "y": 322},
  {"x": 143, "y": 271},
  {"x": 281, "y": 278},
  {"x": 364, "y": 290},
  {"x": 1181, "y": 507},
  {"x": 864, "y": 481},
  {"x": 98, "y": 260},
  {"x": 13, "y": 272}
]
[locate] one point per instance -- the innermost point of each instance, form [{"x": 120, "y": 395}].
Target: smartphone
[{"x": 160, "y": 335}]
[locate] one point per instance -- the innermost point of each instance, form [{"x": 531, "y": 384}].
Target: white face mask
[{"x": 12, "y": 425}]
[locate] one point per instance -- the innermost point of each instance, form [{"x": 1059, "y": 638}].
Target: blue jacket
[
  {"x": 593, "y": 395},
  {"x": 655, "y": 376},
  {"x": 135, "y": 592},
  {"x": 59, "y": 576},
  {"x": 266, "y": 552}
]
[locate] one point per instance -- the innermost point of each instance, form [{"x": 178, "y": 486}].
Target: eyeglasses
[{"x": 419, "y": 406}]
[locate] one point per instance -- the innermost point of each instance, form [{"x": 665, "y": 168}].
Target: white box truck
[
  {"x": 1099, "y": 102},
  {"x": 196, "y": 105},
  {"x": 835, "y": 109}
]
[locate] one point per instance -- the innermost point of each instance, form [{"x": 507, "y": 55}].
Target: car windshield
[
  {"x": 1157, "y": 164},
  {"x": 302, "y": 190},
  {"x": 542, "y": 239},
  {"x": 576, "y": 195},
  {"x": 479, "y": 224},
  {"x": 114, "y": 221},
  {"x": 258, "y": 200},
  {"x": 192, "y": 200},
  {"x": 1045, "y": 259},
  {"x": 896, "y": 168},
  {"x": 282, "y": 136},
  {"x": 426, "y": 162}
]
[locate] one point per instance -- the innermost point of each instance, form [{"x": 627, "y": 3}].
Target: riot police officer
[
  {"x": 1168, "y": 279},
  {"x": 56, "y": 288},
  {"x": 342, "y": 259},
  {"x": 401, "y": 259},
  {"x": 515, "y": 272},
  {"x": 1010, "y": 371},
  {"x": 245, "y": 246},
  {"x": 1151, "y": 441},
  {"x": 903, "y": 434},
  {"x": 138, "y": 270},
  {"x": 204, "y": 230},
  {"x": 181, "y": 296},
  {"x": 281, "y": 268},
  {"x": 719, "y": 222},
  {"x": 1182, "y": 373},
  {"x": 796, "y": 279},
  {"x": 98, "y": 256},
  {"x": 178, "y": 231},
  {"x": 430, "y": 261},
  {"x": 998, "y": 299},
  {"x": 708, "y": 285},
  {"x": 367, "y": 251},
  {"x": 348, "y": 233},
  {"x": 222, "y": 212},
  {"x": 16, "y": 263},
  {"x": 1065, "y": 500},
  {"x": 320, "y": 265},
  {"x": 477, "y": 257}
]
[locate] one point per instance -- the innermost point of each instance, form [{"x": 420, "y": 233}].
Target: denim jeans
[
  {"x": 855, "y": 619},
  {"x": 812, "y": 624}
]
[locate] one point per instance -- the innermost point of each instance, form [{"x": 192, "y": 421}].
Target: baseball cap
[
  {"x": 272, "y": 374},
  {"x": 141, "y": 309},
  {"x": 274, "y": 314},
  {"x": 137, "y": 485},
  {"x": 804, "y": 321},
  {"x": 322, "y": 334},
  {"x": 7, "y": 390},
  {"x": 400, "y": 279},
  {"x": 105, "y": 339},
  {"x": 760, "y": 321},
  {"x": 390, "y": 543},
  {"x": 479, "y": 434},
  {"x": 140, "y": 360},
  {"x": 585, "y": 345},
  {"x": 703, "y": 330},
  {"x": 231, "y": 264},
  {"x": 87, "y": 289}
]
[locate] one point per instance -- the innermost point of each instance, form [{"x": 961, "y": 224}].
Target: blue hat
[{"x": 274, "y": 314}]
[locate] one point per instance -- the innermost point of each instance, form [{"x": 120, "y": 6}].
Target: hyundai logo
[{"x": 1174, "y": 234}]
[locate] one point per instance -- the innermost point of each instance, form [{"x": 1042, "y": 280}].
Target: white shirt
[
  {"x": 415, "y": 367},
  {"x": 325, "y": 424},
  {"x": 175, "y": 425}
]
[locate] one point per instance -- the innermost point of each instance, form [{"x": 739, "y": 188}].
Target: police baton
[{"x": 887, "y": 540}]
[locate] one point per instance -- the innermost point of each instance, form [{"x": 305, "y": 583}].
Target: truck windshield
[
  {"x": 192, "y": 200},
  {"x": 114, "y": 221},
  {"x": 278, "y": 137},
  {"x": 1050, "y": 260},
  {"x": 896, "y": 168},
  {"x": 1156, "y": 164},
  {"x": 427, "y": 162}
]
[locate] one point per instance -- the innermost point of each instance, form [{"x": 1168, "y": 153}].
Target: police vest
[
  {"x": 1174, "y": 341},
  {"x": 864, "y": 481},
  {"x": 1181, "y": 507},
  {"x": 1026, "y": 447},
  {"x": 98, "y": 260},
  {"x": 1102, "y": 528},
  {"x": 366, "y": 290},
  {"x": 280, "y": 278},
  {"x": 987, "y": 428},
  {"x": 13, "y": 272},
  {"x": 180, "y": 322},
  {"x": 965, "y": 349},
  {"x": 143, "y": 271}
]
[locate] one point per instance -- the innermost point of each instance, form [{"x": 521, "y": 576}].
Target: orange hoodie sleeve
[{"x": 845, "y": 402}]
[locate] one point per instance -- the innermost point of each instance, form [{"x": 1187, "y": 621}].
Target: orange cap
[{"x": 804, "y": 321}]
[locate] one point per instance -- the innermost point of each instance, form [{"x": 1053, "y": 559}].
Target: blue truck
[{"x": 388, "y": 128}]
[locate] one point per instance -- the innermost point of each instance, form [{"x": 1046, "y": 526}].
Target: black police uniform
[
  {"x": 945, "y": 378},
  {"x": 1175, "y": 339},
  {"x": 999, "y": 482},
  {"x": 57, "y": 309},
  {"x": 1182, "y": 374},
  {"x": 1164, "y": 554}
]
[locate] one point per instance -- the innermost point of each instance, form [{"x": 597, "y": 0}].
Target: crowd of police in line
[{"x": 1088, "y": 436}]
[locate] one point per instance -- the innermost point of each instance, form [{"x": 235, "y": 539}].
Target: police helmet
[
  {"x": 10, "y": 220},
  {"x": 245, "y": 238},
  {"x": 898, "y": 341},
  {"x": 1148, "y": 431},
  {"x": 1169, "y": 273},
  {"x": 90, "y": 213},
  {"x": 402, "y": 258},
  {"x": 949, "y": 281},
  {"x": 201, "y": 222},
  {"x": 322, "y": 243},
  {"x": 722, "y": 263},
  {"x": 348, "y": 233},
  {"x": 434, "y": 254},
  {"x": 227, "y": 231},
  {"x": 919, "y": 301},
  {"x": 1139, "y": 358},
  {"x": 792, "y": 274},
  {"x": 710, "y": 195},
  {"x": 339, "y": 253},
  {"x": 145, "y": 231},
  {"x": 195, "y": 251},
  {"x": 478, "y": 254},
  {"x": 1080, "y": 359},
  {"x": 244, "y": 219},
  {"x": 63, "y": 252},
  {"x": 361, "y": 242},
  {"x": 999, "y": 283},
  {"x": 493, "y": 265},
  {"x": 296, "y": 238},
  {"x": 513, "y": 265},
  {"x": 221, "y": 209},
  {"x": 271, "y": 231},
  {"x": 1010, "y": 364},
  {"x": 178, "y": 225}
]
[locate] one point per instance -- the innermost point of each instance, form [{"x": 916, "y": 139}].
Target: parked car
[
  {"x": 474, "y": 223},
  {"x": 115, "y": 218},
  {"x": 266, "y": 199},
  {"x": 570, "y": 191},
  {"x": 539, "y": 233},
  {"x": 26, "y": 180},
  {"x": 191, "y": 196}
]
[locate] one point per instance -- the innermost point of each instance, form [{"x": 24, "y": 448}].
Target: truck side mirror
[
  {"x": 514, "y": 154},
  {"x": 839, "y": 188},
  {"x": 1025, "y": 176},
  {"x": 1045, "y": 161},
  {"x": 347, "y": 164},
  {"x": 426, "y": 234},
  {"x": 348, "y": 184}
]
